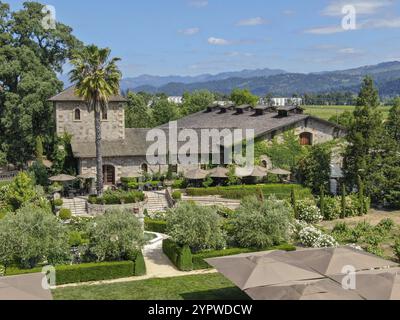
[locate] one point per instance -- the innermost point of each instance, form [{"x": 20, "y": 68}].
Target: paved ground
[{"x": 158, "y": 265}]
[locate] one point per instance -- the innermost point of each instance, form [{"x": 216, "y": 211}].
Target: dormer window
[
  {"x": 77, "y": 114},
  {"x": 104, "y": 116}
]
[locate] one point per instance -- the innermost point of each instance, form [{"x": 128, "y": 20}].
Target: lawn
[
  {"x": 326, "y": 112},
  {"x": 197, "y": 287}
]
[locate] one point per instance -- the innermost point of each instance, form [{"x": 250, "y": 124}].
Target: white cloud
[
  {"x": 252, "y": 22},
  {"x": 218, "y": 41},
  {"x": 239, "y": 54},
  {"x": 198, "y": 3},
  {"x": 366, "y": 7},
  {"x": 325, "y": 30},
  {"x": 381, "y": 23},
  {"x": 189, "y": 31},
  {"x": 348, "y": 51}
]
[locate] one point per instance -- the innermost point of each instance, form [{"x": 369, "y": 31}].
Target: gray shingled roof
[
  {"x": 231, "y": 120},
  {"x": 69, "y": 95}
]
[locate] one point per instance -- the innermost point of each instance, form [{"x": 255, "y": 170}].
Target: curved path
[{"x": 158, "y": 265}]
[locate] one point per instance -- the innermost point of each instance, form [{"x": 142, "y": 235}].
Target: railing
[
  {"x": 168, "y": 195},
  {"x": 6, "y": 176}
]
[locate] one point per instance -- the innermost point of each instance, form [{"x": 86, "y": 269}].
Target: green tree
[
  {"x": 29, "y": 59},
  {"x": 393, "y": 122},
  {"x": 115, "y": 236},
  {"x": 364, "y": 138},
  {"x": 244, "y": 96},
  {"x": 137, "y": 113},
  {"x": 196, "y": 101},
  {"x": 164, "y": 112},
  {"x": 262, "y": 224},
  {"x": 39, "y": 149},
  {"x": 31, "y": 237},
  {"x": 313, "y": 170},
  {"x": 345, "y": 119},
  {"x": 20, "y": 191},
  {"x": 196, "y": 226},
  {"x": 97, "y": 78}
]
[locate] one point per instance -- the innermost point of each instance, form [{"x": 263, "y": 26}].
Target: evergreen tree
[
  {"x": 393, "y": 123},
  {"x": 39, "y": 149},
  {"x": 137, "y": 113},
  {"x": 362, "y": 156}
]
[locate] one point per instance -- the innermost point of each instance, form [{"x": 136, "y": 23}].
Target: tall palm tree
[{"x": 97, "y": 78}]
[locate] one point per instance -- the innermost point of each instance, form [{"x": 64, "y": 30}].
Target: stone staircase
[
  {"x": 156, "y": 201},
  {"x": 76, "y": 205}
]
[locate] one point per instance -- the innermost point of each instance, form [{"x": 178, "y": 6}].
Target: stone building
[{"x": 124, "y": 150}]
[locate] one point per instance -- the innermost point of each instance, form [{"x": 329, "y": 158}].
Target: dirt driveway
[{"x": 374, "y": 217}]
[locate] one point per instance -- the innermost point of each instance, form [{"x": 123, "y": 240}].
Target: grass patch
[
  {"x": 326, "y": 112},
  {"x": 198, "y": 287}
]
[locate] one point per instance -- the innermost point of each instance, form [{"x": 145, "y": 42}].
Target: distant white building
[
  {"x": 175, "y": 99},
  {"x": 282, "y": 102}
]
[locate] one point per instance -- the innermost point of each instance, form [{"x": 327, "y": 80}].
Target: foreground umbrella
[
  {"x": 280, "y": 172},
  {"x": 262, "y": 269},
  {"x": 321, "y": 289},
  {"x": 259, "y": 172},
  {"x": 219, "y": 172},
  {"x": 196, "y": 174},
  {"x": 328, "y": 261},
  {"x": 62, "y": 178},
  {"x": 24, "y": 287},
  {"x": 376, "y": 284}
]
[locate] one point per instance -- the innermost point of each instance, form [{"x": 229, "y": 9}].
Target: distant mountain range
[{"x": 277, "y": 82}]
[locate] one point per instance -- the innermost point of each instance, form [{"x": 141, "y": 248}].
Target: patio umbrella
[
  {"x": 376, "y": 284},
  {"x": 219, "y": 172},
  {"x": 24, "y": 287},
  {"x": 329, "y": 261},
  {"x": 62, "y": 178},
  {"x": 259, "y": 172},
  {"x": 261, "y": 269},
  {"x": 196, "y": 174},
  {"x": 320, "y": 289},
  {"x": 280, "y": 172},
  {"x": 87, "y": 176}
]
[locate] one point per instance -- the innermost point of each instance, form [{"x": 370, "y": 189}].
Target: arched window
[
  {"x": 145, "y": 168},
  {"x": 104, "y": 115},
  {"x": 306, "y": 139},
  {"x": 77, "y": 114}
]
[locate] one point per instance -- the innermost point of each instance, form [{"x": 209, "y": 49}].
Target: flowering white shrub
[
  {"x": 311, "y": 237},
  {"x": 308, "y": 211}
]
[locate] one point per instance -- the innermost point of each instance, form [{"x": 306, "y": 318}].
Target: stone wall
[
  {"x": 83, "y": 130},
  {"x": 96, "y": 209}
]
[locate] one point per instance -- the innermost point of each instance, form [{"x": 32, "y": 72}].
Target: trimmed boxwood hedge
[
  {"x": 158, "y": 226},
  {"x": 94, "y": 272},
  {"x": 180, "y": 257},
  {"x": 185, "y": 260},
  {"x": 199, "y": 263},
  {"x": 281, "y": 191},
  {"x": 140, "y": 265}
]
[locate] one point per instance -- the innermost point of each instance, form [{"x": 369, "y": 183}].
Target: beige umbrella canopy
[
  {"x": 320, "y": 289},
  {"x": 62, "y": 178},
  {"x": 376, "y": 284},
  {"x": 280, "y": 172},
  {"x": 262, "y": 269},
  {"x": 219, "y": 172},
  {"x": 196, "y": 174},
  {"x": 259, "y": 172},
  {"x": 330, "y": 261}
]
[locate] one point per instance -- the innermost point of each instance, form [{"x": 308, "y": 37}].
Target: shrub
[
  {"x": 75, "y": 239},
  {"x": 281, "y": 191},
  {"x": 385, "y": 226},
  {"x": 397, "y": 249},
  {"x": 195, "y": 226},
  {"x": 199, "y": 263},
  {"x": 118, "y": 197},
  {"x": 177, "y": 195},
  {"x": 261, "y": 224},
  {"x": 32, "y": 236},
  {"x": 181, "y": 257},
  {"x": 311, "y": 237},
  {"x": 65, "y": 214},
  {"x": 179, "y": 184},
  {"x": 308, "y": 211},
  {"x": 58, "y": 202},
  {"x": 94, "y": 272},
  {"x": 140, "y": 265},
  {"x": 332, "y": 208},
  {"x": 159, "y": 226},
  {"x": 115, "y": 236},
  {"x": 20, "y": 191}
]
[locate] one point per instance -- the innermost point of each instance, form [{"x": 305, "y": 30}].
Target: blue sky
[{"x": 190, "y": 37}]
